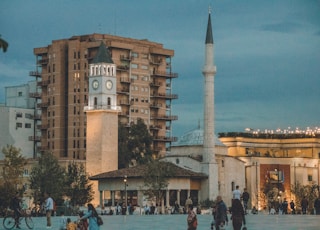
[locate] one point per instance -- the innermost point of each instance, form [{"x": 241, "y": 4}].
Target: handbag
[{"x": 195, "y": 223}]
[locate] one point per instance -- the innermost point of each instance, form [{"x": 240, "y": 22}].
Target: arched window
[
  {"x": 109, "y": 101},
  {"x": 95, "y": 103},
  {"x": 232, "y": 185}
]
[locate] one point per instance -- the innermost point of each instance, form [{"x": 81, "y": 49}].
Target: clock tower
[{"x": 102, "y": 118}]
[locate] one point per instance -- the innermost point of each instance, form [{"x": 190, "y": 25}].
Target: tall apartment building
[{"x": 144, "y": 90}]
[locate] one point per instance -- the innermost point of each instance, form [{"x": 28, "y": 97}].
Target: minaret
[
  {"x": 102, "y": 118},
  {"x": 209, "y": 70}
]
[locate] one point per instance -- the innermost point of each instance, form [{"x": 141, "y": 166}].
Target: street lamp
[{"x": 125, "y": 191}]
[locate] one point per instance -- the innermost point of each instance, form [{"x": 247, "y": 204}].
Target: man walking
[
  {"x": 245, "y": 198},
  {"x": 49, "y": 208}
]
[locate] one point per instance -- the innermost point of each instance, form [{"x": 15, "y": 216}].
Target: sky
[{"x": 267, "y": 53}]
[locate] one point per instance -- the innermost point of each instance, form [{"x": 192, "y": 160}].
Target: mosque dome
[{"x": 195, "y": 137}]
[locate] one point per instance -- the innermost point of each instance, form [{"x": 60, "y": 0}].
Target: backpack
[{"x": 99, "y": 220}]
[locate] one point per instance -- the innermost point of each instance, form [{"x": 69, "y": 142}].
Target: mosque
[{"x": 205, "y": 165}]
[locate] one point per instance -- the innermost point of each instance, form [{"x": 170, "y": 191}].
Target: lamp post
[{"x": 125, "y": 191}]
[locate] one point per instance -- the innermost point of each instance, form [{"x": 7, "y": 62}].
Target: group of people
[{"x": 220, "y": 212}]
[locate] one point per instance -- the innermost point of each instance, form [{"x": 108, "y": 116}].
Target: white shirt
[
  {"x": 236, "y": 194},
  {"x": 49, "y": 204}
]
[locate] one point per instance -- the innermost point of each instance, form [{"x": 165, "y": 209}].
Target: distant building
[
  {"x": 17, "y": 119},
  {"x": 144, "y": 90}
]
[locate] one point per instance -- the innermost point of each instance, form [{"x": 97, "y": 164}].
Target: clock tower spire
[{"x": 102, "y": 118}]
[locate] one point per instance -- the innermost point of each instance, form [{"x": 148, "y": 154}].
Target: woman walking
[
  {"x": 92, "y": 215},
  {"x": 238, "y": 215}
]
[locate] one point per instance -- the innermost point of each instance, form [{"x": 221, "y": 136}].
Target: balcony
[
  {"x": 155, "y": 127},
  {"x": 35, "y": 95},
  {"x": 164, "y": 74},
  {"x": 123, "y": 91},
  {"x": 43, "y": 126},
  {"x": 34, "y": 74},
  {"x": 43, "y": 83},
  {"x": 126, "y": 80},
  {"x": 165, "y": 139},
  {"x": 155, "y": 84},
  {"x": 156, "y": 61},
  {"x": 43, "y": 105},
  {"x": 35, "y": 117},
  {"x": 34, "y": 138},
  {"x": 124, "y": 114},
  {"x": 123, "y": 68},
  {"x": 164, "y": 117},
  {"x": 164, "y": 95},
  {"x": 125, "y": 58},
  {"x": 125, "y": 102},
  {"x": 43, "y": 61},
  {"x": 155, "y": 105}
]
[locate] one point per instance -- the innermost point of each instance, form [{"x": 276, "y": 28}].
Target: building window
[
  {"x": 18, "y": 125},
  {"x": 309, "y": 178},
  {"x": 134, "y": 66},
  {"x": 20, "y": 94},
  {"x": 232, "y": 186},
  {"x": 134, "y": 54},
  {"x": 27, "y": 125}
]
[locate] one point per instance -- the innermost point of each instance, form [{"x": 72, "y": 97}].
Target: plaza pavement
[{"x": 178, "y": 222}]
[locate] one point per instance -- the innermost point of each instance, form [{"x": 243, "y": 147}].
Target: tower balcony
[
  {"x": 164, "y": 117},
  {"x": 165, "y": 139},
  {"x": 34, "y": 74},
  {"x": 155, "y": 127},
  {"x": 165, "y": 96},
  {"x": 164, "y": 74},
  {"x": 35, "y": 95}
]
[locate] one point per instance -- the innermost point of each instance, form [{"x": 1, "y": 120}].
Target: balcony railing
[
  {"x": 35, "y": 95},
  {"x": 103, "y": 107},
  {"x": 165, "y": 139},
  {"x": 164, "y": 95},
  {"x": 161, "y": 117},
  {"x": 164, "y": 74},
  {"x": 34, "y": 138},
  {"x": 123, "y": 68},
  {"x": 35, "y": 73}
]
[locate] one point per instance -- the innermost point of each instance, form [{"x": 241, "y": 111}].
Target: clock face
[
  {"x": 109, "y": 84},
  {"x": 95, "y": 84}
]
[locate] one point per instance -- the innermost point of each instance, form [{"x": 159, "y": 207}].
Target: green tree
[
  {"x": 12, "y": 174},
  {"x": 139, "y": 143},
  {"x": 156, "y": 179},
  {"x": 123, "y": 156},
  {"x": 78, "y": 189},
  {"x": 3, "y": 45},
  {"x": 48, "y": 176},
  {"x": 300, "y": 191}
]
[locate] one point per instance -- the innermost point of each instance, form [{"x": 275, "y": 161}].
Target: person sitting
[
  {"x": 71, "y": 225},
  {"x": 254, "y": 210},
  {"x": 272, "y": 211}
]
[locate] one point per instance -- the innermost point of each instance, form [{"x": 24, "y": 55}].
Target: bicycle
[{"x": 9, "y": 221}]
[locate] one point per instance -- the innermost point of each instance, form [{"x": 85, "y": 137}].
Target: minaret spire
[{"x": 210, "y": 165}]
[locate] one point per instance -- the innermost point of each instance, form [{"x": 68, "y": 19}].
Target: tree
[
  {"x": 156, "y": 179},
  {"x": 80, "y": 191},
  {"x": 48, "y": 176},
  {"x": 301, "y": 191},
  {"x": 3, "y": 45},
  {"x": 134, "y": 145},
  {"x": 11, "y": 174}
]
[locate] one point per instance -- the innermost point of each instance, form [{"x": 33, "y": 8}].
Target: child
[
  {"x": 71, "y": 225},
  {"x": 63, "y": 222}
]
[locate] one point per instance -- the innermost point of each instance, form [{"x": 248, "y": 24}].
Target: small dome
[{"x": 195, "y": 137}]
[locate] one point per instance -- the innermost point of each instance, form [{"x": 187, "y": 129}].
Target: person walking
[
  {"x": 245, "y": 199},
  {"x": 221, "y": 213},
  {"x": 48, "y": 208},
  {"x": 317, "y": 205},
  {"x": 192, "y": 218},
  {"x": 292, "y": 206},
  {"x": 236, "y": 193},
  {"x": 284, "y": 206},
  {"x": 237, "y": 215},
  {"x": 16, "y": 206},
  {"x": 92, "y": 215},
  {"x": 188, "y": 202},
  {"x": 304, "y": 205}
]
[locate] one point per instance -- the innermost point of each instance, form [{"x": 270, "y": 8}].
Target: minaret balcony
[
  {"x": 102, "y": 107},
  {"x": 164, "y": 74}
]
